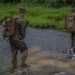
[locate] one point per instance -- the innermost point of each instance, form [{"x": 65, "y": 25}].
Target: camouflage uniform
[
  {"x": 73, "y": 37},
  {"x": 17, "y": 43},
  {"x": 73, "y": 41}
]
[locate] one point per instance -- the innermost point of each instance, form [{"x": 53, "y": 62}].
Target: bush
[
  {"x": 6, "y": 1},
  {"x": 54, "y": 3},
  {"x": 50, "y": 3}
]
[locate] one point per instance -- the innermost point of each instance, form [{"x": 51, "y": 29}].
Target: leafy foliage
[
  {"x": 53, "y": 3},
  {"x": 6, "y": 1},
  {"x": 50, "y": 3}
]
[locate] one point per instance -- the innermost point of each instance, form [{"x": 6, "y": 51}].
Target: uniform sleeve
[{"x": 22, "y": 28}]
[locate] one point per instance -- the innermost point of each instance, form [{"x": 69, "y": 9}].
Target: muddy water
[
  {"x": 42, "y": 40},
  {"x": 48, "y": 39}
]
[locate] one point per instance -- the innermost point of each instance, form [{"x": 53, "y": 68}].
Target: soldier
[
  {"x": 73, "y": 40},
  {"x": 72, "y": 34},
  {"x": 16, "y": 41}
]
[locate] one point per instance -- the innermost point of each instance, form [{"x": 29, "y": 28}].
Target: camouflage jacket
[{"x": 21, "y": 26}]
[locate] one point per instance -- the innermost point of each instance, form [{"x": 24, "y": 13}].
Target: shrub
[{"x": 6, "y": 1}]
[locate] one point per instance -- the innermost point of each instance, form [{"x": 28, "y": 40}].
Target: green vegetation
[
  {"x": 38, "y": 15},
  {"x": 50, "y": 3}
]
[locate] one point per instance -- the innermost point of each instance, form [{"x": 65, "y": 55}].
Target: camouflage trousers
[
  {"x": 18, "y": 44},
  {"x": 73, "y": 41}
]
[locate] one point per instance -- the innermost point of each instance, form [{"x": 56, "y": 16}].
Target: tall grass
[
  {"x": 42, "y": 16},
  {"x": 38, "y": 15}
]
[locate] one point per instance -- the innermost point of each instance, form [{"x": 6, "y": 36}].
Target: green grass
[{"x": 38, "y": 15}]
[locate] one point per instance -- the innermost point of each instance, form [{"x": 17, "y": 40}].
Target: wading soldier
[
  {"x": 70, "y": 27},
  {"x": 16, "y": 41}
]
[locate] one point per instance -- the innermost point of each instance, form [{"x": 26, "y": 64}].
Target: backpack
[
  {"x": 70, "y": 23},
  {"x": 8, "y": 27}
]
